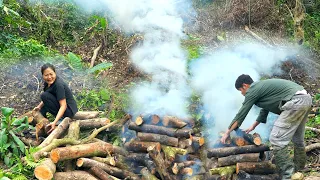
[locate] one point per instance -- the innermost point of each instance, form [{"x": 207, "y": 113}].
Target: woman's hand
[
  {"x": 37, "y": 108},
  {"x": 52, "y": 126}
]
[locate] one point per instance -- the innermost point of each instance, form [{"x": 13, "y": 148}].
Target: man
[{"x": 291, "y": 102}]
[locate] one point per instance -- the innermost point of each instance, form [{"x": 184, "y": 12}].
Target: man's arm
[
  {"x": 227, "y": 133},
  {"x": 252, "y": 127}
]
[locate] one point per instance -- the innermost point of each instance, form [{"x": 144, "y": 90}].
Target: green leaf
[
  {"x": 21, "y": 128},
  {"x": 100, "y": 67},
  {"x": 3, "y": 137},
  {"x": 103, "y": 23},
  {"x": 104, "y": 95},
  {"x": 18, "y": 141},
  {"x": 7, "y": 111},
  {"x": 18, "y": 122},
  {"x": 7, "y": 160},
  {"x": 5, "y": 178},
  {"x": 75, "y": 61}
]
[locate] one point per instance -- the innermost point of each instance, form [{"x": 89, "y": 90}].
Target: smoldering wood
[
  {"x": 234, "y": 159},
  {"x": 184, "y": 142},
  {"x": 161, "y": 130},
  {"x": 162, "y": 139},
  {"x": 174, "y": 122},
  {"x": 227, "y": 151},
  {"x": 79, "y": 175},
  {"x": 264, "y": 167},
  {"x": 140, "y": 146}
]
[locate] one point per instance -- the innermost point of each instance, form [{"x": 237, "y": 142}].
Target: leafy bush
[{"x": 93, "y": 99}]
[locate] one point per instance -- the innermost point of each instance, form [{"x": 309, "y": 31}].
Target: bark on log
[
  {"x": 101, "y": 174},
  {"x": 161, "y": 130},
  {"x": 119, "y": 161},
  {"x": 81, "y": 115},
  {"x": 82, "y": 150},
  {"x": 78, "y": 175},
  {"x": 93, "y": 123},
  {"x": 174, "y": 122},
  {"x": 119, "y": 173},
  {"x": 30, "y": 141},
  {"x": 199, "y": 141},
  {"x": 223, "y": 171},
  {"x": 140, "y": 146},
  {"x": 264, "y": 167},
  {"x": 160, "y": 163},
  {"x": 147, "y": 175},
  {"x": 184, "y": 143},
  {"x": 170, "y": 152},
  {"x": 227, "y": 151},
  {"x": 312, "y": 147},
  {"x": 234, "y": 159},
  {"x": 250, "y": 138},
  {"x": 45, "y": 170},
  {"x": 155, "y": 119},
  {"x": 144, "y": 159},
  {"x": 57, "y": 132},
  {"x": 178, "y": 166},
  {"x": 245, "y": 176},
  {"x": 73, "y": 132},
  {"x": 162, "y": 139},
  {"x": 40, "y": 123}
]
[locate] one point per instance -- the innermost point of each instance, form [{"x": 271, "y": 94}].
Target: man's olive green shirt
[{"x": 269, "y": 95}]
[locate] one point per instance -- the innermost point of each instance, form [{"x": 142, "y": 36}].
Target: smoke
[{"x": 214, "y": 76}]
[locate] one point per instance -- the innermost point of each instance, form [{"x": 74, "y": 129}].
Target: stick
[
  {"x": 256, "y": 36},
  {"x": 95, "y": 53}
]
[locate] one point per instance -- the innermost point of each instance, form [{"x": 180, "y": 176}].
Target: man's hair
[
  {"x": 46, "y": 66},
  {"x": 243, "y": 79}
]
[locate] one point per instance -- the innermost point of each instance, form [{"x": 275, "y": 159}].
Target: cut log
[
  {"x": 40, "y": 123},
  {"x": 144, "y": 159},
  {"x": 155, "y": 119},
  {"x": 178, "y": 166},
  {"x": 184, "y": 143},
  {"x": 82, "y": 150},
  {"x": 312, "y": 147},
  {"x": 198, "y": 140},
  {"x": 170, "y": 152},
  {"x": 29, "y": 115},
  {"x": 101, "y": 174},
  {"x": 161, "y": 130},
  {"x": 234, "y": 159},
  {"x": 117, "y": 161},
  {"x": 227, "y": 151},
  {"x": 250, "y": 138},
  {"x": 45, "y": 170},
  {"x": 119, "y": 173},
  {"x": 239, "y": 141},
  {"x": 80, "y": 115},
  {"x": 140, "y": 146},
  {"x": 174, "y": 122},
  {"x": 245, "y": 176},
  {"x": 162, "y": 139},
  {"x": 139, "y": 120},
  {"x": 147, "y": 175},
  {"x": 93, "y": 123},
  {"x": 57, "y": 132},
  {"x": 78, "y": 175},
  {"x": 160, "y": 163},
  {"x": 73, "y": 132},
  {"x": 223, "y": 171},
  {"x": 264, "y": 167},
  {"x": 186, "y": 171},
  {"x": 30, "y": 141}
]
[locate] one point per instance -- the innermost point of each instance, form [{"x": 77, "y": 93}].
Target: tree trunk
[
  {"x": 140, "y": 146},
  {"x": 45, "y": 170},
  {"x": 78, "y": 175},
  {"x": 161, "y": 130},
  {"x": 57, "y": 132},
  {"x": 81, "y": 115},
  {"x": 174, "y": 122},
  {"x": 245, "y": 176},
  {"x": 264, "y": 167},
  {"x": 234, "y": 159},
  {"x": 93, "y": 123},
  {"x": 119, "y": 173},
  {"x": 223, "y": 171},
  {"x": 162, "y": 139},
  {"x": 82, "y": 150},
  {"x": 147, "y": 175},
  {"x": 227, "y": 151},
  {"x": 101, "y": 174}
]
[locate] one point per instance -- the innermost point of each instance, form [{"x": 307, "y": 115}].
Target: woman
[{"x": 57, "y": 97}]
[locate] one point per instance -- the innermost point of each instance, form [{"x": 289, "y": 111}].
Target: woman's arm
[{"x": 62, "y": 109}]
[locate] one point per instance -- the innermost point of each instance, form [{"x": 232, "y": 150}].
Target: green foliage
[
  {"x": 99, "y": 68},
  {"x": 11, "y": 147},
  {"x": 93, "y": 99},
  {"x": 312, "y": 30},
  {"x": 74, "y": 61}
]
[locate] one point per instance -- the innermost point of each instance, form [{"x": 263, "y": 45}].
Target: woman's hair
[
  {"x": 46, "y": 66},
  {"x": 243, "y": 79}
]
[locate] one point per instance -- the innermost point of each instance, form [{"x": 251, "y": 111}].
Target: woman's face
[{"x": 49, "y": 76}]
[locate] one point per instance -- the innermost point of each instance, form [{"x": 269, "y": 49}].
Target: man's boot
[
  {"x": 284, "y": 163},
  {"x": 299, "y": 158}
]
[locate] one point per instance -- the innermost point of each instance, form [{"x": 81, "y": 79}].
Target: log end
[
  {"x": 187, "y": 171},
  {"x": 139, "y": 120},
  {"x": 175, "y": 168},
  {"x": 43, "y": 173},
  {"x": 79, "y": 162},
  {"x": 201, "y": 141},
  {"x": 155, "y": 119},
  {"x": 54, "y": 156}
]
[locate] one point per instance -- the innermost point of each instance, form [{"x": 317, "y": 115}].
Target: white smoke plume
[{"x": 214, "y": 78}]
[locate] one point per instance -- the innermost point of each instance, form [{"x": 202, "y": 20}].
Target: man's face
[{"x": 244, "y": 89}]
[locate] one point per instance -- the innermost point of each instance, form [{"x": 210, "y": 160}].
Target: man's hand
[
  {"x": 224, "y": 137},
  {"x": 52, "y": 126},
  {"x": 251, "y": 128}
]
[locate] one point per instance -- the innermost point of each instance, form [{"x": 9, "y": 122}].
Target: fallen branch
[
  {"x": 313, "y": 129},
  {"x": 312, "y": 147},
  {"x": 257, "y": 37},
  {"x": 101, "y": 174},
  {"x": 72, "y": 175},
  {"x": 94, "y": 56}
]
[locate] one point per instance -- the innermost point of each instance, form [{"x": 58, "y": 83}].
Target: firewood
[
  {"x": 312, "y": 147},
  {"x": 198, "y": 140},
  {"x": 209, "y": 176},
  {"x": 174, "y": 122},
  {"x": 119, "y": 173},
  {"x": 117, "y": 161},
  {"x": 73, "y": 132},
  {"x": 101, "y": 174},
  {"x": 239, "y": 141},
  {"x": 93, "y": 123},
  {"x": 223, "y": 171},
  {"x": 78, "y": 175},
  {"x": 45, "y": 170},
  {"x": 162, "y": 139},
  {"x": 264, "y": 167},
  {"x": 250, "y": 138},
  {"x": 155, "y": 119},
  {"x": 222, "y": 152},
  {"x": 170, "y": 152},
  {"x": 242, "y": 175},
  {"x": 161, "y": 130},
  {"x": 139, "y": 120},
  {"x": 160, "y": 163},
  {"x": 57, "y": 132},
  {"x": 233, "y": 159},
  {"x": 80, "y": 115},
  {"x": 40, "y": 124},
  {"x": 82, "y": 150},
  {"x": 140, "y": 146},
  {"x": 186, "y": 171},
  {"x": 30, "y": 141},
  {"x": 313, "y": 129},
  {"x": 147, "y": 175},
  {"x": 29, "y": 115},
  {"x": 178, "y": 166},
  {"x": 144, "y": 159},
  {"x": 184, "y": 143}
]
